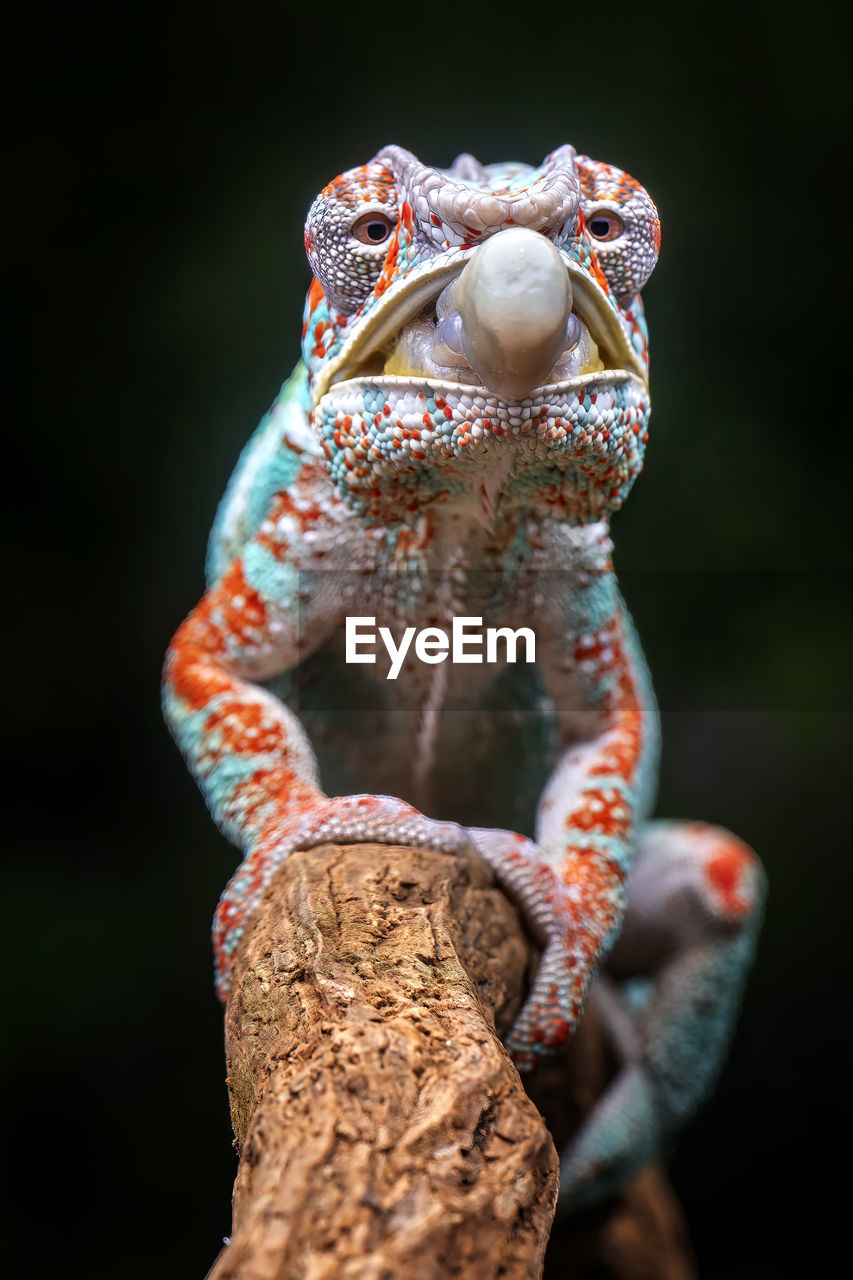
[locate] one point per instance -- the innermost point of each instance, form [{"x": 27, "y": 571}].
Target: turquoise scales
[{"x": 471, "y": 407}]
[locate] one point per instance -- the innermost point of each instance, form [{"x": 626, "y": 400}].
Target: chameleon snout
[{"x": 509, "y": 313}]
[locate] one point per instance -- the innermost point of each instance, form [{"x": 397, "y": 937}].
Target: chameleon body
[{"x": 471, "y": 406}]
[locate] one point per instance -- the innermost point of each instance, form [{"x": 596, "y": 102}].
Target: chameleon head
[{"x": 475, "y": 337}]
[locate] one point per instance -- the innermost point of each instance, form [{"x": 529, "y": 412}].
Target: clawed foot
[
  {"x": 555, "y": 1001},
  {"x": 338, "y": 819}
]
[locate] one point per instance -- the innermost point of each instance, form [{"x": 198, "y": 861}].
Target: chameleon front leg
[
  {"x": 571, "y": 883},
  {"x": 246, "y": 749},
  {"x": 668, "y": 998}
]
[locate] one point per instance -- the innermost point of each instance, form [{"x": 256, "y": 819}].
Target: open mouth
[
  {"x": 416, "y": 336},
  {"x": 417, "y": 352}
]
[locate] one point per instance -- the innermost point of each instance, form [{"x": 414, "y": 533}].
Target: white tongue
[{"x": 514, "y": 299}]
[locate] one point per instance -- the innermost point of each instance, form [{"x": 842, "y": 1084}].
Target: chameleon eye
[
  {"x": 373, "y": 228},
  {"x": 605, "y": 224}
]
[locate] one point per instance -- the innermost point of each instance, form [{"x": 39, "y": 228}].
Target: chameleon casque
[{"x": 471, "y": 406}]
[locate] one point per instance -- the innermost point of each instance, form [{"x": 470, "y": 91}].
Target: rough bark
[{"x": 383, "y": 1131}]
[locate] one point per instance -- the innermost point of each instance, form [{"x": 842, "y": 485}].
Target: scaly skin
[{"x": 396, "y": 477}]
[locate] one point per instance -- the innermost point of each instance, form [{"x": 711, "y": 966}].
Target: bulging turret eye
[
  {"x": 373, "y": 228},
  {"x": 604, "y": 224}
]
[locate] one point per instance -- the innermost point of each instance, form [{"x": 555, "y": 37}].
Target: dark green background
[{"x": 163, "y": 158}]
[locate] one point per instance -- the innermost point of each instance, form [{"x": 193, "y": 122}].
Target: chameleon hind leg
[{"x": 668, "y": 997}]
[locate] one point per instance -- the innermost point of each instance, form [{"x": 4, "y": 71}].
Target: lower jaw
[{"x": 396, "y": 444}]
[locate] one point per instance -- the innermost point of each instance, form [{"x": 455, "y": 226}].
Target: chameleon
[{"x": 470, "y": 409}]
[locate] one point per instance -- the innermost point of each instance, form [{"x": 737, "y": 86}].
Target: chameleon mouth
[
  {"x": 428, "y": 347},
  {"x": 427, "y": 332}
]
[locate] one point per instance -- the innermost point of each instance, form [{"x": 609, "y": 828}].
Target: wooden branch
[{"x": 383, "y": 1132}]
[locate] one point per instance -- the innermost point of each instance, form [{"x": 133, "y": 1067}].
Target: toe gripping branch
[{"x": 557, "y": 995}]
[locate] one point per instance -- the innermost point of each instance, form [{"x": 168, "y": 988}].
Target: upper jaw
[{"x": 395, "y": 339}]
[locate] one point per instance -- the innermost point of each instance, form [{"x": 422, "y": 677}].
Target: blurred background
[{"x": 162, "y": 161}]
